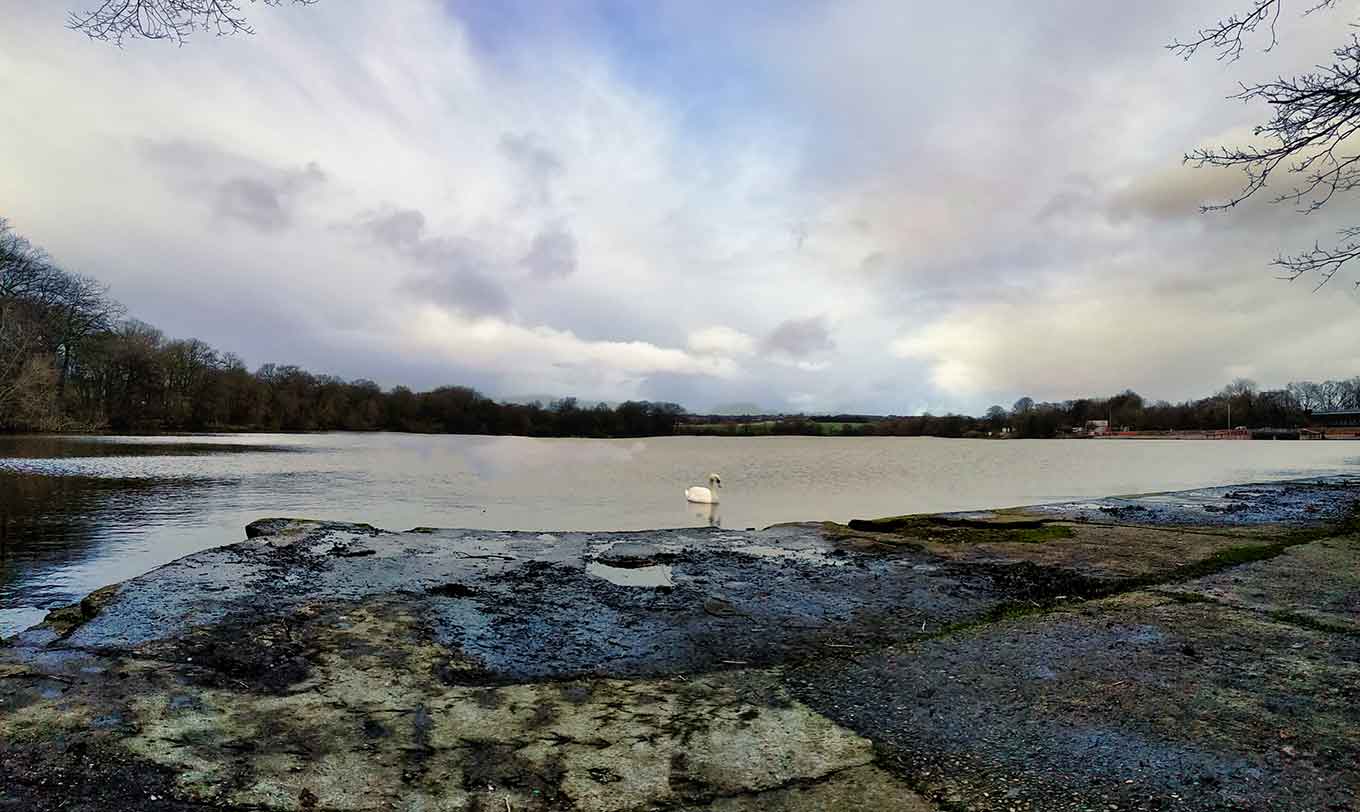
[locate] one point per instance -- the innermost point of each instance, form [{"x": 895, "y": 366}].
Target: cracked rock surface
[{"x": 1133, "y": 653}]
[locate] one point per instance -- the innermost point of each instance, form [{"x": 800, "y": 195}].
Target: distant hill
[
  {"x": 739, "y": 409},
  {"x": 548, "y": 400}
]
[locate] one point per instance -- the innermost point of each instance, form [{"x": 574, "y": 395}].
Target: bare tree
[
  {"x": 20, "y": 341},
  {"x": 24, "y": 269},
  {"x": 1309, "y": 139},
  {"x": 116, "y": 20},
  {"x": 84, "y": 310},
  {"x": 1239, "y": 387}
]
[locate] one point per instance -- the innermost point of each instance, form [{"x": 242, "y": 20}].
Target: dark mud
[
  {"x": 1138, "y": 704},
  {"x": 83, "y": 774},
  {"x": 725, "y": 609},
  {"x": 1330, "y": 499}
]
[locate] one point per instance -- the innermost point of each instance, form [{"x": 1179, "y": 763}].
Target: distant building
[
  {"x": 1336, "y": 419},
  {"x": 1098, "y": 426}
]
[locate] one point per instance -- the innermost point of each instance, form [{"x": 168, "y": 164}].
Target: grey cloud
[
  {"x": 268, "y": 200},
  {"x": 261, "y": 196},
  {"x": 539, "y": 165},
  {"x": 458, "y": 275},
  {"x": 252, "y": 202},
  {"x": 552, "y": 254},
  {"x": 1064, "y": 202},
  {"x": 799, "y": 338},
  {"x": 466, "y": 290},
  {"x": 1170, "y": 200},
  {"x": 181, "y": 155},
  {"x": 524, "y": 150},
  {"x": 922, "y": 286},
  {"x": 1175, "y": 194},
  {"x": 739, "y": 408},
  {"x": 400, "y": 230},
  {"x": 706, "y": 395}
]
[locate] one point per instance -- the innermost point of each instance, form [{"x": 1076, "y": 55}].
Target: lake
[{"x": 82, "y": 512}]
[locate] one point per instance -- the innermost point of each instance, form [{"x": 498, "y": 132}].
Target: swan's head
[{"x": 714, "y": 480}]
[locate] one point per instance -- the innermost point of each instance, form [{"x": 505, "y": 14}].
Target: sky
[{"x": 876, "y": 206}]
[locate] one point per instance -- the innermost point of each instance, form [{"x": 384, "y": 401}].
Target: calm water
[{"x": 82, "y": 512}]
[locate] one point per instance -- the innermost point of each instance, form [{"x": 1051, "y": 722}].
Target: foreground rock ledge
[{"x": 1196, "y": 651}]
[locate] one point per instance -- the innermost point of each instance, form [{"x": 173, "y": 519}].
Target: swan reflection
[{"x": 710, "y": 515}]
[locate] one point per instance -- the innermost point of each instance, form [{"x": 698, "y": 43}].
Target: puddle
[
  {"x": 653, "y": 576},
  {"x": 813, "y": 556}
]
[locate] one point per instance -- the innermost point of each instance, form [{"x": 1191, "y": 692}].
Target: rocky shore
[{"x": 1186, "y": 651}]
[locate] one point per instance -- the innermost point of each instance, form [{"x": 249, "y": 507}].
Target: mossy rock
[
  {"x": 957, "y": 530},
  {"x": 66, "y": 619}
]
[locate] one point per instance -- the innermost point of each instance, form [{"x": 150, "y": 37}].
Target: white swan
[{"x": 705, "y": 496}]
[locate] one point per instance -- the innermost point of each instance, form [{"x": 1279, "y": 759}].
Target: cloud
[
  {"x": 633, "y": 204},
  {"x": 739, "y": 408},
  {"x": 460, "y": 276},
  {"x": 524, "y": 150},
  {"x": 1177, "y": 193},
  {"x": 266, "y": 202},
  {"x": 464, "y": 289},
  {"x": 248, "y": 191},
  {"x": 1060, "y": 345},
  {"x": 799, "y": 338},
  {"x": 538, "y": 165},
  {"x": 552, "y": 254},
  {"x": 401, "y": 230},
  {"x": 252, "y": 202},
  {"x": 556, "y": 360},
  {"x": 719, "y": 340}
]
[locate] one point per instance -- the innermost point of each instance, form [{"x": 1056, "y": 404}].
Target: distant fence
[{"x": 1224, "y": 434}]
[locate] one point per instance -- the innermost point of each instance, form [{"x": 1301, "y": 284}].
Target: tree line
[
  {"x": 70, "y": 359},
  {"x": 1241, "y": 403}
]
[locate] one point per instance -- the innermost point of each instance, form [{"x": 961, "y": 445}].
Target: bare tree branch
[
  {"x": 116, "y": 20},
  {"x": 1325, "y": 262},
  {"x": 1228, "y": 35},
  {"x": 1311, "y": 137}
]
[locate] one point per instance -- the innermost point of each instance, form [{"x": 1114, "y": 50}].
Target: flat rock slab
[
  {"x": 330, "y": 666},
  {"x": 519, "y": 606}
]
